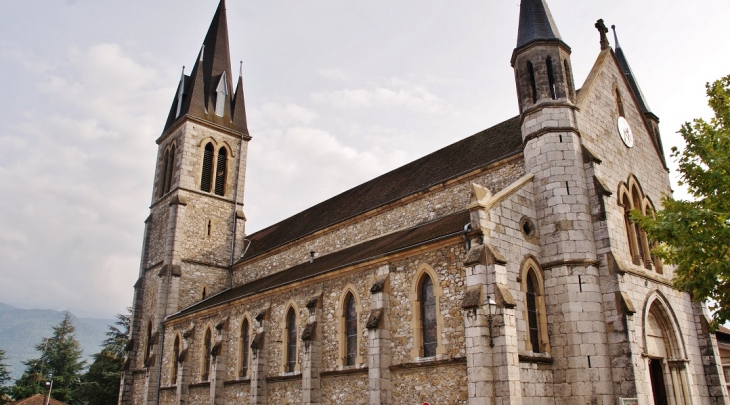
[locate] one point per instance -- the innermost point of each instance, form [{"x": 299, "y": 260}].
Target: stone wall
[
  {"x": 537, "y": 384},
  {"x": 284, "y": 392},
  {"x": 435, "y": 385},
  {"x": 346, "y": 389}
]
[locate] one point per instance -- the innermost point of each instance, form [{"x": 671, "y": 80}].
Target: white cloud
[
  {"x": 335, "y": 74},
  {"x": 79, "y": 167},
  {"x": 416, "y": 98}
]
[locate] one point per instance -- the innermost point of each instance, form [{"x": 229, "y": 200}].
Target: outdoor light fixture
[{"x": 490, "y": 307}]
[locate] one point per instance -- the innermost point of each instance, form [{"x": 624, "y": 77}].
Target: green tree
[
  {"x": 100, "y": 385},
  {"x": 61, "y": 358},
  {"x": 695, "y": 235},
  {"x": 4, "y": 378}
]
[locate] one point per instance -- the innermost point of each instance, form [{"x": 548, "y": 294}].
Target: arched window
[
  {"x": 533, "y": 326},
  {"x": 170, "y": 169},
  {"x": 220, "y": 171},
  {"x": 244, "y": 348},
  {"x": 533, "y": 85},
  {"x": 207, "y": 173},
  {"x": 350, "y": 313},
  {"x": 630, "y": 229},
  {"x": 173, "y": 360},
  {"x": 148, "y": 346},
  {"x": 428, "y": 317},
  {"x": 551, "y": 78},
  {"x": 534, "y": 310},
  {"x": 291, "y": 340},
  {"x": 163, "y": 174},
  {"x": 207, "y": 346}
]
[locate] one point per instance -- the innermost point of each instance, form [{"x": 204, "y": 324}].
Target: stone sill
[
  {"x": 345, "y": 371},
  {"x": 200, "y": 384},
  {"x": 168, "y": 388},
  {"x": 526, "y": 358},
  {"x": 646, "y": 274},
  {"x": 285, "y": 377},
  {"x": 429, "y": 363},
  {"x": 246, "y": 380}
]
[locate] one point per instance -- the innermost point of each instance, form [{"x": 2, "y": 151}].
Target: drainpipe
[{"x": 233, "y": 222}]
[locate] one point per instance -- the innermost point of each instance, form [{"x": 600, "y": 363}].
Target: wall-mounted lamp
[{"x": 490, "y": 308}]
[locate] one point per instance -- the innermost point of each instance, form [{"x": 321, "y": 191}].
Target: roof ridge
[{"x": 476, "y": 151}]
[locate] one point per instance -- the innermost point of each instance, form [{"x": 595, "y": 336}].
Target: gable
[{"x": 597, "y": 101}]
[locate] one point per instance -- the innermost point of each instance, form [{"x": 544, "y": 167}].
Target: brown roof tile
[
  {"x": 37, "y": 399},
  {"x": 479, "y": 150},
  {"x": 431, "y": 231}
]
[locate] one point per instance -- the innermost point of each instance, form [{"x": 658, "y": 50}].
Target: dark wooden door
[{"x": 657, "y": 382}]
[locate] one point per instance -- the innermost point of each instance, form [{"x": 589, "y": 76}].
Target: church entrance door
[{"x": 657, "y": 382}]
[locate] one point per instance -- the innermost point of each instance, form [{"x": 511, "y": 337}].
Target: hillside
[{"x": 22, "y": 329}]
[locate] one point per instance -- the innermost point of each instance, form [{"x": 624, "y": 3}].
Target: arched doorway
[{"x": 666, "y": 361}]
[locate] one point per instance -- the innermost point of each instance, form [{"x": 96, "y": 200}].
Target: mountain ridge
[{"x": 22, "y": 329}]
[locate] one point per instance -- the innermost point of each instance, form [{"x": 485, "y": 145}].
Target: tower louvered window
[
  {"x": 220, "y": 172},
  {"x": 551, "y": 77},
  {"x": 533, "y": 84},
  {"x": 428, "y": 317},
  {"x": 170, "y": 169},
  {"x": 163, "y": 175},
  {"x": 207, "y": 173},
  {"x": 291, "y": 342},
  {"x": 351, "y": 329},
  {"x": 532, "y": 315}
]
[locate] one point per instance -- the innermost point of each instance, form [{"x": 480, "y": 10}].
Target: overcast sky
[{"x": 337, "y": 92}]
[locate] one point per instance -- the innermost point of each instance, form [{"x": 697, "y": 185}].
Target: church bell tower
[
  {"x": 196, "y": 223},
  {"x": 553, "y": 152}
]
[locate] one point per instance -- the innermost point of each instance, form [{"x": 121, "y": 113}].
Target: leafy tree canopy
[
  {"x": 100, "y": 385},
  {"x": 4, "y": 378},
  {"x": 695, "y": 234},
  {"x": 60, "y": 358}
]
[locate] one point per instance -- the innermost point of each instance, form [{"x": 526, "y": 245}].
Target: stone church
[{"x": 501, "y": 269}]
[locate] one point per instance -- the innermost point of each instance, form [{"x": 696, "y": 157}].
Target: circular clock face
[{"x": 625, "y": 131}]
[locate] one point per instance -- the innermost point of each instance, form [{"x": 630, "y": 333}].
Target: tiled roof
[
  {"x": 624, "y": 64},
  {"x": 479, "y": 150},
  {"x": 536, "y": 23},
  {"x": 37, "y": 399},
  {"x": 389, "y": 244}
]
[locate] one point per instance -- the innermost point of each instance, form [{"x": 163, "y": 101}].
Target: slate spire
[
  {"x": 200, "y": 91},
  {"x": 536, "y": 23},
  {"x": 626, "y": 69}
]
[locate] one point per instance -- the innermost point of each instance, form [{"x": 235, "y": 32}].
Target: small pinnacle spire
[
  {"x": 536, "y": 23},
  {"x": 615, "y": 37},
  {"x": 240, "y": 69},
  {"x": 601, "y": 27}
]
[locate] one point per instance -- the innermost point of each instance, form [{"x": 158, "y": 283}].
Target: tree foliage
[
  {"x": 60, "y": 358},
  {"x": 100, "y": 385},
  {"x": 4, "y": 378},
  {"x": 695, "y": 235}
]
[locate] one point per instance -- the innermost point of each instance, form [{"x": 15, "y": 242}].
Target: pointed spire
[
  {"x": 536, "y": 23},
  {"x": 239, "y": 107},
  {"x": 626, "y": 69},
  {"x": 211, "y": 75}
]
